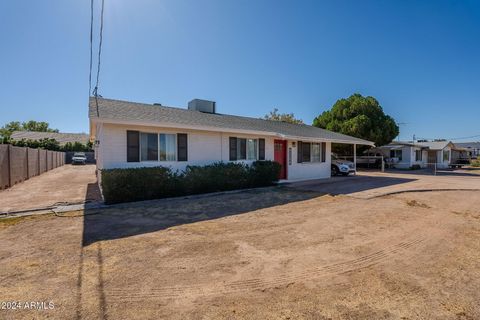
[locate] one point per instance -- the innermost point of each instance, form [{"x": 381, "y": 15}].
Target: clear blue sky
[{"x": 420, "y": 59}]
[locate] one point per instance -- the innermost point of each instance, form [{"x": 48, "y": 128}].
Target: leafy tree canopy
[
  {"x": 52, "y": 144},
  {"x": 39, "y": 126},
  {"x": 360, "y": 117},
  {"x": 285, "y": 117}
]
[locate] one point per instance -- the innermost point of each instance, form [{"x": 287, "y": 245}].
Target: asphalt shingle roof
[
  {"x": 62, "y": 138},
  {"x": 471, "y": 145},
  {"x": 434, "y": 145},
  {"x": 133, "y": 111}
]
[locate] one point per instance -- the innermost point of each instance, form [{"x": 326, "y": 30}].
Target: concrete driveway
[
  {"x": 373, "y": 184},
  {"x": 67, "y": 184}
]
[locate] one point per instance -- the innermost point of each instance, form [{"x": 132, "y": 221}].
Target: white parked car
[
  {"x": 79, "y": 158},
  {"x": 343, "y": 167}
]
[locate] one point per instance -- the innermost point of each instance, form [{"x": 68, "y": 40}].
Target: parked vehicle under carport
[
  {"x": 79, "y": 158},
  {"x": 342, "y": 167}
]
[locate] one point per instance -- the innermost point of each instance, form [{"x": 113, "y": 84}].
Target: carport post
[
  {"x": 355, "y": 157},
  {"x": 383, "y": 165}
]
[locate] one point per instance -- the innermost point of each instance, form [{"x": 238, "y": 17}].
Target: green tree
[
  {"x": 7, "y": 129},
  {"x": 285, "y": 117},
  {"x": 360, "y": 117},
  {"x": 78, "y": 146},
  {"x": 47, "y": 144},
  {"x": 39, "y": 126}
]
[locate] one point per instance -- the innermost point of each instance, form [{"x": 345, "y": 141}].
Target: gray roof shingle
[
  {"x": 124, "y": 111},
  {"x": 468, "y": 145},
  {"x": 62, "y": 138}
]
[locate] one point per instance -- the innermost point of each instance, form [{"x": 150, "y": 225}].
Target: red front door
[{"x": 280, "y": 156}]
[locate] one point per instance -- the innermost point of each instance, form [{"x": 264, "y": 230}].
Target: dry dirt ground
[
  {"x": 66, "y": 184},
  {"x": 277, "y": 253}
]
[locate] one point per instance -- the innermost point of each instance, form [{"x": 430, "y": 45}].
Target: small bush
[
  {"x": 215, "y": 177},
  {"x": 135, "y": 184},
  {"x": 264, "y": 173},
  {"x": 415, "y": 167}
]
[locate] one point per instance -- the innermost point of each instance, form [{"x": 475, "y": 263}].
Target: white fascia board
[{"x": 93, "y": 129}]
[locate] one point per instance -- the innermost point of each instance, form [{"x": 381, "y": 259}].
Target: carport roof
[{"x": 117, "y": 111}]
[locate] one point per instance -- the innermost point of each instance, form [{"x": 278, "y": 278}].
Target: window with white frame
[
  {"x": 418, "y": 155},
  {"x": 158, "y": 147},
  {"x": 168, "y": 147},
  {"x": 446, "y": 155},
  {"x": 148, "y": 146},
  {"x": 252, "y": 146},
  {"x": 316, "y": 152},
  {"x": 247, "y": 149},
  {"x": 311, "y": 152},
  {"x": 396, "y": 154}
]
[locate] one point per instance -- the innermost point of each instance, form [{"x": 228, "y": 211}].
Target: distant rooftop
[
  {"x": 431, "y": 145},
  {"x": 62, "y": 138},
  {"x": 469, "y": 145}
]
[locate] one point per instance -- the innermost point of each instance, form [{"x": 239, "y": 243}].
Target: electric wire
[{"x": 91, "y": 49}]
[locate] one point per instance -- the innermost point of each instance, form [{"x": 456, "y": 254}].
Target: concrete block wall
[
  {"x": 49, "y": 160},
  {"x": 32, "y": 162},
  {"x": 42, "y": 154},
  {"x": 4, "y": 167},
  {"x": 18, "y": 164}
]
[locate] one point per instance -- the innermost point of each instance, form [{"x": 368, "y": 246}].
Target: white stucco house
[
  {"x": 405, "y": 154},
  {"x": 129, "y": 134}
]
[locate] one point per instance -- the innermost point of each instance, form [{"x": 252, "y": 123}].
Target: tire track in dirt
[{"x": 180, "y": 292}]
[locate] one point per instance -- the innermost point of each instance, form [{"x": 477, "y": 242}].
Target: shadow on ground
[
  {"x": 130, "y": 219},
  {"x": 348, "y": 185}
]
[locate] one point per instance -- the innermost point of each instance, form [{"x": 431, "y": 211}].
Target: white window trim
[
  {"x": 176, "y": 147},
  {"x": 140, "y": 147},
  {"x": 311, "y": 148},
  {"x": 158, "y": 147},
  {"x": 246, "y": 139}
]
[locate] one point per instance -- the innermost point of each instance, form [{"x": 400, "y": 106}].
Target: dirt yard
[
  {"x": 275, "y": 253},
  {"x": 66, "y": 184}
]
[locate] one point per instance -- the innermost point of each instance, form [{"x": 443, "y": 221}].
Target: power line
[
  {"x": 95, "y": 90},
  {"x": 457, "y": 138},
  {"x": 99, "y": 48},
  {"x": 91, "y": 48},
  {"x": 461, "y": 138}
]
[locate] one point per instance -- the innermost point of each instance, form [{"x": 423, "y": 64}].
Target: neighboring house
[
  {"x": 405, "y": 154},
  {"x": 473, "y": 148},
  {"x": 62, "y": 138},
  {"x": 129, "y": 134}
]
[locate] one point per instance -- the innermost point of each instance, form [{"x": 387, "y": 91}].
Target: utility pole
[{"x": 400, "y": 124}]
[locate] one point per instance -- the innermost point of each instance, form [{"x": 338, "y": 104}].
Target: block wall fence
[{"x": 18, "y": 164}]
